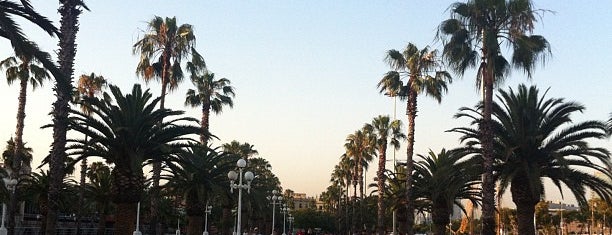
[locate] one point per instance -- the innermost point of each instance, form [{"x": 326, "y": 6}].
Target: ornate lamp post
[
  {"x": 290, "y": 219},
  {"x": 10, "y": 185},
  {"x": 233, "y": 176},
  {"x": 207, "y": 211},
  {"x": 285, "y": 210},
  {"x": 275, "y": 200}
]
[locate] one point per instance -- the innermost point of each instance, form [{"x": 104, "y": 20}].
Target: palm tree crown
[
  {"x": 129, "y": 132},
  {"x": 443, "y": 180},
  {"x": 535, "y": 138},
  {"x": 211, "y": 95}
]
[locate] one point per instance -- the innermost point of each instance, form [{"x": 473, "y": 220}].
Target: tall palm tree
[
  {"x": 199, "y": 174},
  {"x": 443, "y": 180},
  {"x": 161, "y": 51},
  {"x": 359, "y": 146},
  {"x": 98, "y": 190},
  {"x": 419, "y": 67},
  {"x": 342, "y": 175},
  {"x": 70, "y": 10},
  {"x": 244, "y": 150},
  {"x": 88, "y": 85},
  {"x": 210, "y": 95},
  {"x": 25, "y": 70},
  {"x": 472, "y": 38},
  {"x": 385, "y": 132},
  {"x": 129, "y": 133},
  {"x": 535, "y": 138}
]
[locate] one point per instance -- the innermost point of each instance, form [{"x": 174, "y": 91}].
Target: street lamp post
[
  {"x": 275, "y": 200},
  {"x": 10, "y": 185},
  {"x": 207, "y": 212},
  {"x": 285, "y": 210},
  {"x": 233, "y": 176},
  {"x": 137, "y": 231},
  {"x": 290, "y": 219}
]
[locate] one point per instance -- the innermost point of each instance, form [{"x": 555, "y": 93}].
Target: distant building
[{"x": 302, "y": 202}]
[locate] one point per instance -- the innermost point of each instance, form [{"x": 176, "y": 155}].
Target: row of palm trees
[
  {"x": 535, "y": 138},
  {"x": 162, "y": 50}
]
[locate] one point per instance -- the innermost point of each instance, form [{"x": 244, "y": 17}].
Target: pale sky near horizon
[{"x": 305, "y": 72}]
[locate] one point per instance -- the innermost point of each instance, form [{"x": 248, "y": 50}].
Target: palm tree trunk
[
  {"x": 411, "y": 111},
  {"x": 18, "y": 149},
  {"x": 101, "y": 223},
  {"x": 204, "y": 136},
  {"x": 195, "y": 225},
  {"x": 81, "y": 194},
  {"x": 155, "y": 191},
  {"x": 488, "y": 183},
  {"x": 124, "y": 218},
  {"x": 525, "y": 202},
  {"x": 69, "y": 11},
  {"x": 382, "y": 160},
  {"x": 440, "y": 218}
]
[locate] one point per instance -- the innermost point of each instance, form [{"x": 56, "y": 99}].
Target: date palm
[
  {"x": 472, "y": 38},
  {"x": 443, "y": 180},
  {"x": 161, "y": 50},
  {"x": 419, "y": 67},
  {"x": 197, "y": 176},
  {"x": 19, "y": 41},
  {"x": 70, "y": 10},
  {"x": 385, "y": 132},
  {"x": 536, "y": 138},
  {"x": 211, "y": 95},
  {"x": 129, "y": 133},
  {"x": 244, "y": 150}
]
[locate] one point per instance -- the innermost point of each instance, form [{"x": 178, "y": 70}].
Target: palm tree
[
  {"x": 14, "y": 170},
  {"x": 211, "y": 95},
  {"x": 129, "y": 133},
  {"x": 473, "y": 34},
  {"x": 24, "y": 71},
  {"x": 359, "y": 147},
  {"x": 385, "y": 132},
  {"x": 244, "y": 150},
  {"x": 70, "y": 10},
  {"x": 199, "y": 174},
  {"x": 98, "y": 190},
  {"x": 88, "y": 85},
  {"x": 342, "y": 175},
  {"x": 417, "y": 65},
  {"x": 167, "y": 44},
  {"x": 19, "y": 41},
  {"x": 444, "y": 180},
  {"x": 535, "y": 138}
]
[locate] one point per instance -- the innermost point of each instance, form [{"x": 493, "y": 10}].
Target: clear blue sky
[{"x": 305, "y": 72}]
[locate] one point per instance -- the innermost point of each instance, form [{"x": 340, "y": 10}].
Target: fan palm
[
  {"x": 25, "y": 70},
  {"x": 88, "y": 85},
  {"x": 475, "y": 33},
  {"x": 129, "y": 133},
  {"x": 70, "y": 10},
  {"x": 535, "y": 138},
  {"x": 161, "y": 51},
  {"x": 385, "y": 132},
  {"x": 419, "y": 67},
  {"x": 210, "y": 95},
  {"x": 443, "y": 180},
  {"x": 198, "y": 174}
]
